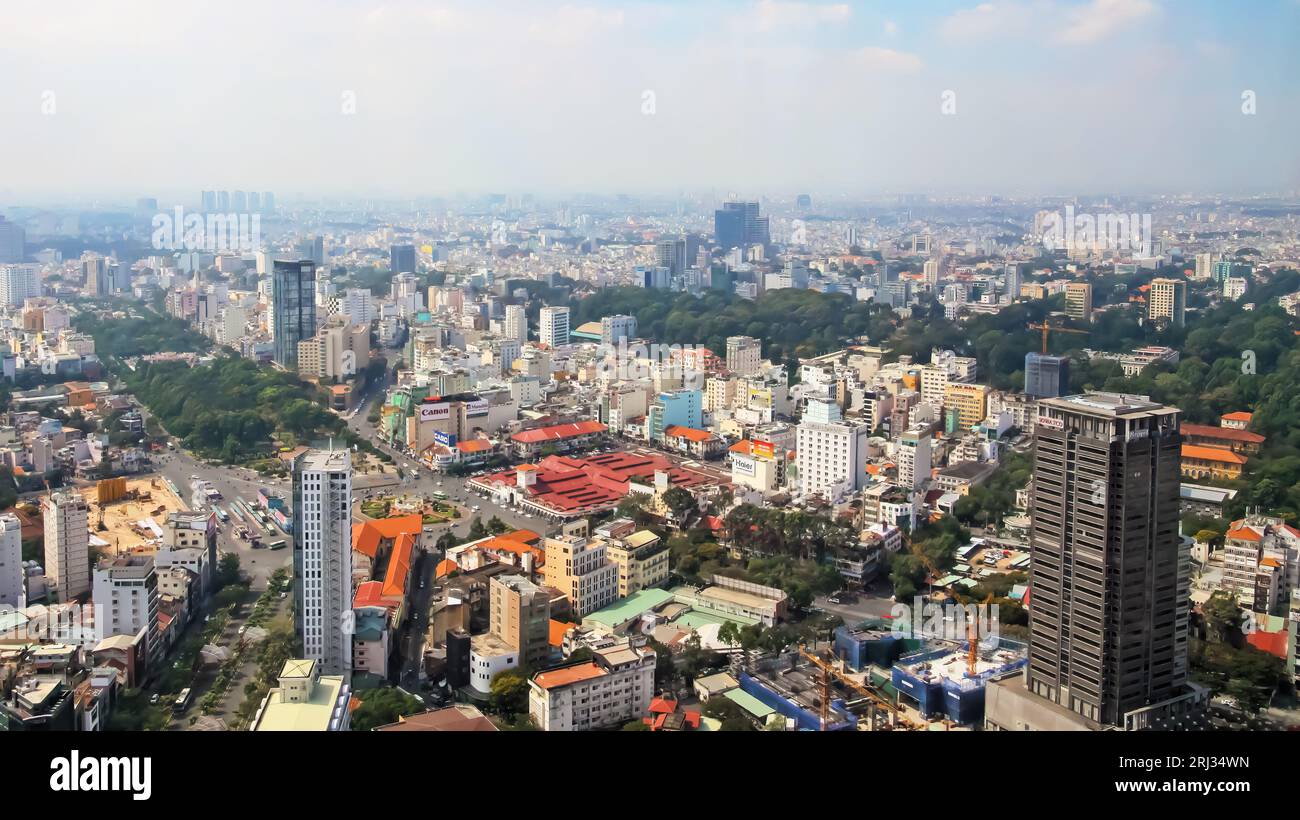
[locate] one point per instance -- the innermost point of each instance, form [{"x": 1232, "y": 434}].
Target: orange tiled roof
[
  {"x": 558, "y": 432},
  {"x": 558, "y": 629},
  {"x": 445, "y": 567},
  {"x": 474, "y": 445},
  {"x": 367, "y": 536},
  {"x": 743, "y": 447},
  {"x": 399, "y": 566},
  {"x": 1240, "y": 415},
  {"x": 689, "y": 433},
  {"x": 1224, "y": 433},
  {"x": 1244, "y": 534},
  {"x": 1218, "y": 454},
  {"x": 568, "y": 675}
]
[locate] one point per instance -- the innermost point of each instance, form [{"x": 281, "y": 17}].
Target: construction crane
[
  {"x": 972, "y": 640},
  {"x": 830, "y": 673},
  {"x": 1045, "y": 327}
]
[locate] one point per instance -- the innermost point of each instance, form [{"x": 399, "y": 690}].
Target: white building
[
  {"x": 67, "y": 545},
  {"x": 612, "y": 689},
  {"x": 832, "y": 453},
  {"x": 13, "y": 579},
  {"x": 616, "y": 328},
  {"x": 322, "y": 512},
  {"x": 913, "y": 458},
  {"x": 18, "y": 283},
  {"x": 516, "y": 323},
  {"x": 553, "y": 328},
  {"x": 126, "y": 600}
]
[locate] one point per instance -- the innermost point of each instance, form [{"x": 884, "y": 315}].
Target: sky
[{"x": 755, "y": 97}]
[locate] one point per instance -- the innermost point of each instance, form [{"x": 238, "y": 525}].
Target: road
[{"x": 874, "y": 603}]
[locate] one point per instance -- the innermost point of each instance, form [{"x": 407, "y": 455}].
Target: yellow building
[
  {"x": 1078, "y": 301},
  {"x": 1201, "y": 462},
  {"x": 641, "y": 556},
  {"x": 966, "y": 404}
]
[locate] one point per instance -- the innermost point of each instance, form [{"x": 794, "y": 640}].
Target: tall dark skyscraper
[
  {"x": 293, "y": 305},
  {"x": 729, "y": 228},
  {"x": 401, "y": 259},
  {"x": 1046, "y": 377},
  {"x": 1109, "y": 576}
]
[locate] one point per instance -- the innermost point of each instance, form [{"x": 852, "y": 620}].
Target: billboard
[
  {"x": 434, "y": 412},
  {"x": 445, "y": 439},
  {"x": 765, "y": 449},
  {"x": 742, "y": 466},
  {"x": 477, "y": 408}
]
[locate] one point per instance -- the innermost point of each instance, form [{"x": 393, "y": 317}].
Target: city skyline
[{"x": 411, "y": 99}]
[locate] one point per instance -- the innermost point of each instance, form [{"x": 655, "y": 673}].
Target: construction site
[
  {"x": 127, "y": 513},
  {"x": 936, "y": 686}
]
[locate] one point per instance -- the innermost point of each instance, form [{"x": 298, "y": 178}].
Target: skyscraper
[
  {"x": 516, "y": 323},
  {"x": 401, "y": 259},
  {"x": 729, "y": 228},
  {"x": 322, "y": 557},
  {"x": 313, "y": 248},
  {"x": 1046, "y": 377},
  {"x": 293, "y": 305},
  {"x": 12, "y": 242},
  {"x": 1109, "y": 574},
  {"x": 553, "y": 327},
  {"x": 13, "y": 578}
]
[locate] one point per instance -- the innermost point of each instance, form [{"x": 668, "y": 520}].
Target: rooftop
[{"x": 568, "y": 675}]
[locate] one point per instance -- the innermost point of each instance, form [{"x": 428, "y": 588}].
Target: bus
[
  {"x": 182, "y": 701},
  {"x": 276, "y": 545},
  {"x": 222, "y": 516},
  {"x": 441, "y": 496}
]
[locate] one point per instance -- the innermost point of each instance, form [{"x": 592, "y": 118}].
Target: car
[
  {"x": 834, "y": 599},
  {"x": 153, "y": 699},
  {"x": 243, "y": 629}
]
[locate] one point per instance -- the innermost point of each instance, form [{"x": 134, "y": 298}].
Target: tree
[
  {"x": 228, "y": 569},
  {"x": 680, "y": 501},
  {"x": 380, "y": 707},
  {"x": 509, "y": 693}
]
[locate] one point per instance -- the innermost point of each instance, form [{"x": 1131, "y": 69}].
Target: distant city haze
[{"x": 405, "y": 98}]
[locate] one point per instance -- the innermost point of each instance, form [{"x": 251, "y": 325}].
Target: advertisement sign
[
  {"x": 1055, "y": 424},
  {"x": 445, "y": 439},
  {"x": 742, "y": 466},
  {"x": 434, "y": 412},
  {"x": 477, "y": 408},
  {"x": 762, "y": 448}
]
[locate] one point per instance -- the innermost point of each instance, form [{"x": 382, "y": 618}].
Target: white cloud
[
  {"x": 1069, "y": 23},
  {"x": 886, "y": 59},
  {"x": 891, "y": 28},
  {"x": 772, "y": 15},
  {"x": 1102, "y": 18}
]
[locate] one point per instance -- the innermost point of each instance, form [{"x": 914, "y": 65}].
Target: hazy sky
[{"x": 1054, "y": 96}]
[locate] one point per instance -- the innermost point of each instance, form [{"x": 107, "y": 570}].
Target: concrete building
[
  {"x": 641, "y": 556},
  {"x": 520, "y": 614},
  {"x": 965, "y": 405},
  {"x": 580, "y": 568},
  {"x": 1078, "y": 301},
  {"x": 13, "y": 577},
  {"x": 126, "y": 601},
  {"x": 612, "y": 689},
  {"x": 744, "y": 355},
  {"x": 1109, "y": 574},
  {"x": 305, "y": 701},
  {"x": 619, "y": 327},
  {"x": 553, "y": 327},
  {"x": 1167, "y": 301},
  {"x": 832, "y": 452},
  {"x": 516, "y": 323},
  {"x": 322, "y": 556},
  {"x": 913, "y": 457},
  {"x": 67, "y": 545}
]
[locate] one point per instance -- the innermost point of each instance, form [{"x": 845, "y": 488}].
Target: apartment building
[
  {"x": 641, "y": 556},
  {"x": 615, "y": 687},
  {"x": 67, "y": 544},
  {"x": 520, "y": 614},
  {"x": 581, "y": 568}
]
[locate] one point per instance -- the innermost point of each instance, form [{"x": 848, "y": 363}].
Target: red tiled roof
[
  {"x": 558, "y": 432},
  {"x": 1240, "y": 415},
  {"x": 1225, "y": 433},
  {"x": 568, "y": 484},
  {"x": 1244, "y": 534},
  {"x": 370, "y": 593}
]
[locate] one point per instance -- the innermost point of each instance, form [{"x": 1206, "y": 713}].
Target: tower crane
[
  {"x": 1045, "y": 327},
  {"x": 830, "y": 673}
]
